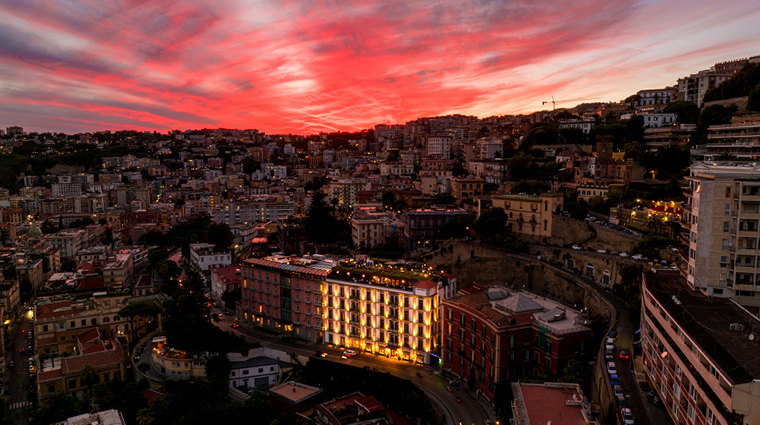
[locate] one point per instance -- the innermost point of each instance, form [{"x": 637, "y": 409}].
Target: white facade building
[{"x": 206, "y": 257}]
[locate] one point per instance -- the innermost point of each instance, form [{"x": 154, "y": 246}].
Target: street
[
  {"x": 18, "y": 379},
  {"x": 469, "y": 410}
]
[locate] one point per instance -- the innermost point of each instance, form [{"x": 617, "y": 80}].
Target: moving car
[
  {"x": 623, "y": 355},
  {"x": 611, "y": 368},
  {"x": 349, "y": 353},
  {"x": 614, "y": 380},
  {"x": 601, "y": 251},
  {"x": 578, "y": 248},
  {"x": 618, "y": 391},
  {"x": 320, "y": 354},
  {"x": 627, "y": 417},
  {"x": 235, "y": 326}
]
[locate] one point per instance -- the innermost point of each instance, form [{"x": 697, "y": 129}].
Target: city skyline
[{"x": 303, "y": 68}]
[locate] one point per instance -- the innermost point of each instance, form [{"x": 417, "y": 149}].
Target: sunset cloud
[{"x": 309, "y": 66}]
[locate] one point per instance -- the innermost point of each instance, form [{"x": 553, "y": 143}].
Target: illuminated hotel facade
[{"x": 382, "y": 310}]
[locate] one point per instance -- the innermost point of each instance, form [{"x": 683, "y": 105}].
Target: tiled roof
[
  {"x": 49, "y": 375},
  {"x": 50, "y": 340},
  {"x": 426, "y": 284},
  {"x": 56, "y": 310},
  {"x": 104, "y": 358}
]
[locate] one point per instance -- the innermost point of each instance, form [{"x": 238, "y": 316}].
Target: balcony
[{"x": 354, "y": 297}]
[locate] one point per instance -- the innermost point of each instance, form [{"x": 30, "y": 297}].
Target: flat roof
[
  {"x": 295, "y": 392},
  {"x": 707, "y": 322},
  {"x": 548, "y": 403}
]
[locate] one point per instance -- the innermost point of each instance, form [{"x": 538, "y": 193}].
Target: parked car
[
  {"x": 638, "y": 257},
  {"x": 618, "y": 391},
  {"x": 601, "y": 251},
  {"x": 610, "y": 344},
  {"x": 608, "y": 356},
  {"x": 627, "y": 417},
  {"x": 590, "y": 219},
  {"x": 627, "y": 231},
  {"x": 624, "y": 254},
  {"x": 614, "y": 380},
  {"x": 577, "y": 247},
  {"x": 611, "y": 368}
]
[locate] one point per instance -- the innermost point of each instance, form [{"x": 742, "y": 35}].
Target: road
[
  {"x": 18, "y": 380},
  {"x": 469, "y": 410}
]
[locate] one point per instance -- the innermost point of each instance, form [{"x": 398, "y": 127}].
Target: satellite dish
[{"x": 751, "y": 337}]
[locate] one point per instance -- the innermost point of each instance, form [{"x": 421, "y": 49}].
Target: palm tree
[
  {"x": 726, "y": 156},
  {"x": 89, "y": 378},
  {"x": 144, "y": 416}
]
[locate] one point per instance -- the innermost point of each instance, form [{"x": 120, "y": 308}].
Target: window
[
  {"x": 724, "y": 245},
  {"x": 726, "y": 226},
  {"x": 692, "y": 391},
  {"x": 724, "y": 261},
  {"x": 709, "y": 416},
  {"x": 727, "y": 210}
]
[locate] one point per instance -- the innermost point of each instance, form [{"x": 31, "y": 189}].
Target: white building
[
  {"x": 260, "y": 368},
  {"x": 275, "y": 172},
  {"x": 583, "y": 125},
  {"x": 654, "y": 119},
  {"x": 346, "y": 191},
  {"x": 224, "y": 279},
  {"x": 67, "y": 189},
  {"x": 68, "y": 241},
  {"x": 693, "y": 87},
  {"x": 205, "y": 256}
]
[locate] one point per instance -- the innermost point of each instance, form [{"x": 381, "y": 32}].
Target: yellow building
[
  {"x": 382, "y": 310},
  {"x": 465, "y": 187},
  {"x": 530, "y": 215},
  {"x": 176, "y": 364}
]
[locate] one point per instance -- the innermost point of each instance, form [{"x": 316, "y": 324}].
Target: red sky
[{"x": 304, "y": 67}]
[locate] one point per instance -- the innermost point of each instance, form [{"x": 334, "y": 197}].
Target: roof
[
  {"x": 254, "y": 361},
  {"x": 426, "y": 284},
  {"x": 49, "y": 375},
  {"x": 287, "y": 267},
  {"x": 548, "y": 403},
  {"x": 104, "y": 358},
  {"x": 519, "y": 303},
  {"x": 707, "y": 322},
  {"x": 56, "y": 310},
  {"x": 295, "y": 392},
  {"x": 86, "y": 267},
  {"x": 228, "y": 274},
  {"x": 151, "y": 395}
]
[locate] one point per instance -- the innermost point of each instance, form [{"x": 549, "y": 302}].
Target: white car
[
  {"x": 590, "y": 218},
  {"x": 601, "y": 251},
  {"x": 577, "y": 247},
  {"x": 627, "y": 417},
  {"x": 611, "y": 368},
  {"x": 610, "y": 344},
  {"x": 637, "y": 257},
  {"x": 624, "y": 254}
]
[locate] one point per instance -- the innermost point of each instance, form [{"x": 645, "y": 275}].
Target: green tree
[
  {"x": 220, "y": 235},
  {"x": 108, "y": 237},
  {"x": 218, "y": 369},
  {"x": 523, "y": 186},
  {"x": 152, "y": 238},
  {"x": 633, "y": 150},
  {"x": 518, "y": 167},
  {"x": 89, "y": 378},
  {"x": 491, "y": 223},
  {"x": 48, "y": 227},
  {"x": 157, "y": 254},
  {"x": 630, "y": 279},
  {"x": 573, "y": 372},
  {"x": 230, "y": 298},
  {"x": 145, "y": 417},
  {"x": 598, "y": 204},
  {"x": 148, "y": 311},
  {"x": 687, "y": 112}
]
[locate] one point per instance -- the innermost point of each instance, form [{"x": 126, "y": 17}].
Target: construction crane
[{"x": 554, "y": 103}]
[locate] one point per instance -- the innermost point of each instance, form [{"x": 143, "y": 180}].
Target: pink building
[{"x": 224, "y": 279}]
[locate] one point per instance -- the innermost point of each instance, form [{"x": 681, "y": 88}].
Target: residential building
[
  {"x": 32, "y": 270},
  {"x": 693, "y": 87},
  {"x": 97, "y": 255},
  {"x": 651, "y": 99},
  {"x": 67, "y": 189},
  {"x": 259, "y": 368},
  {"x": 64, "y": 373},
  {"x": 699, "y": 353},
  {"x": 9, "y": 294},
  {"x": 494, "y": 334},
  {"x": 581, "y": 124},
  {"x": 259, "y": 209},
  {"x": 669, "y": 136},
  {"x": 652, "y": 119},
  {"x": 293, "y": 397},
  {"x": 353, "y": 409},
  {"x": 224, "y": 279},
  {"x": 530, "y": 215},
  {"x": 346, "y": 191},
  {"x": 106, "y": 417},
  {"x": 466, "y": 187},
  {"x": 740, "y": 139},
  {"x": 67, "y": 241},
  {"x": 207, "y": 256},
  {"x": 550, "y": 403},
  {"x": 420, "y": 225},
  {"x": 369, "y": 229},
  {"x": 119, "y": 270},
  {"x": 439, "y": 147},
  {"x": 177, "y": 364},
  {"x": 291, "y": 231},
  {"x": 722, "y": 216},
  {"x": 285, "y": 294},
  {"x": 588, "y": 191}
]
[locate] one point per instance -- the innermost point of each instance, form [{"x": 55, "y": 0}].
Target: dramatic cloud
[{"x": 308, "y": 66}]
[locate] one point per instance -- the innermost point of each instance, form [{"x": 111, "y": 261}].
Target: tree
[
  {"x": 630, "y": 279},
  {"x": 157, "y": 254},
  {"x": 218, "y": 369},
  {"x": 108, "y": 237},
  {"x": 146, "y": 310},
  {"x": 145, "y": 417},
  {"x": 598, "y": 204},
  {"x": 633, "y": 150},
  {"x": 231, "y": 297},
  {"x": 518, "y": 167},
  {"x": 152, "y": 238},
  {"x": 48, "y": 227},
  {"x": 573, "y": 371},
  {"x": 87, "y": 220},
  {"x": 753, "y": 100},
  {"x": 491, "y": 223},
  {"x": 89, "y": 378},
  {"x": 388, "y": 198},
  {"x": 687, "y": 112},
  {"x": 220, "y": 235},
  {"x": 68, "y": 265},
  {"x": 523, "y": 186}
]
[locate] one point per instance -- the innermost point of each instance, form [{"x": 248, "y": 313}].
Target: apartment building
[
  {"x": 653, "y": 119},
  {"x": 66, "y": 189},
  {"x": 384, "y": 310},
  {"x": 346, "y": 191},
  {"x": 466, "y": 187},
  {"x": 654, "y": 99},
  {"x": 493, "y": 334},
  {"x": 119, "y": 270},
  {"x": 700, "y": 354},
  {"x": 693, "y": 87},
  {"x": 68, "y": 241},
  {"x": 32, "y": 270},
  {"x": 740, "y": 139},
  {"x": 369, "y": 229},
  {"x": 551, "y": 402},
  {"x": 422, "y": 224},
  {"x": 225, "y": 279},
  {"x": 530, "y": 216},
  {"x": 9, "y": 294},
  {"x": 206, "y": 256},
  {"x": 285, "y": 294},
  {"x": 721, "y": 212},
  {"x": 255, "y": 210},
  {"x": 176, "y": 364},
  {"x": 439, "y": 147},
  {"x": 64, "y": 373},
  {"x": 670, "y": 136}
]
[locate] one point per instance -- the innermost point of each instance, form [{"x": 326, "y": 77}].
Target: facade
[
  {"x": 97, "y": 255},
  {"x": 67, "y": 189},
  {"x": 652, "y": 119},
  {"x": 721, "y": 212},
  {"x": 119, "y": 271},
  {"x": 68, "y": 241},
  {"x": 422, "y": 224},
  {"x": 466, "y": 187},
  {"x": 583, "y": 125},
  {"x": 669, "y": 136},
  {"x": 9, "y": 294},
  {"x": 290, "y": 232},
  {"x": 494, "y": 334},
  {"x": 206, "y": 257},
  {"x": 224, "y": 279},
  {"x": 550, "y": 403},
  {"x": 176, "y": 364},
  {"x": 381, "y": 311},
  {"x": 693, "y": 87},
  {"x": 650, "y": 99},
  {"x": 251, "y": 211},
  {"x": 530, "y": 215},
  {"x": 587, "y": 192},
  {"x": 346, "y": 192},
  {"x": 439, "y": 147},
  {"x": 283, "y": 296},
  {"x": 740, "y": 139},
  {"x": 370, "y": 229},
  {"x": 260, "y": 368},
  {"x": 31, "y": 270},
  {"x": 699, "y": 353}
]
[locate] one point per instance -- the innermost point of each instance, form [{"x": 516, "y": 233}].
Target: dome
[{"x": 34, "y": 232}]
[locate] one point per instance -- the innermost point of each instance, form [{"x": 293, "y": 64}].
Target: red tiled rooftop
[
  {"x": 228, "y": 274},
  {"x": 48, "y": 311},
  {"x": 100, "y": 359},
  {"x": 86, "y": 267},
  {"x": 426, "y": 284},
  {"x": 49, "y": 375},
  {"x": 545, "y": 404}
]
